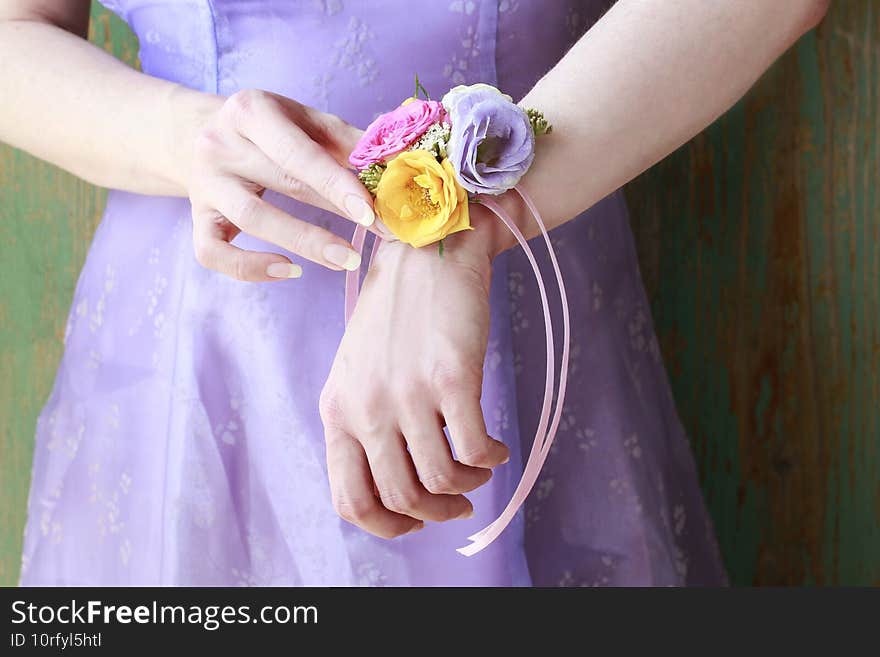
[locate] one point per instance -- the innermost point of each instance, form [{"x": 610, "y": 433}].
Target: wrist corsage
[
  {"x": 424, "y": 162},
  {"x": 422, "y": 159}
]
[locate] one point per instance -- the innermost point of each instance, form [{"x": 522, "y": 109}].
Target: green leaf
[{"x": 418, "y": 87}]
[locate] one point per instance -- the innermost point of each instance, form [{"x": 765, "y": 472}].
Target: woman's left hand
[{"x": 410, "y": 363}]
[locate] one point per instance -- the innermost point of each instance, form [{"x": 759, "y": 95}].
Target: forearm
[
  {"x": 646, "y": 78},
  {"x": 68, "y": 102}
]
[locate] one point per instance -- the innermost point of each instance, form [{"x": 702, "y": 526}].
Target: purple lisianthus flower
[{"x": 492, "y": 143}]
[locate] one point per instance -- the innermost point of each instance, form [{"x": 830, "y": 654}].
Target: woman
[{"x": 182, "y": 443}]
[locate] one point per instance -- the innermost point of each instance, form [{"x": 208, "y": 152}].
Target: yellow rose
[{"x": 420, "y": 200}]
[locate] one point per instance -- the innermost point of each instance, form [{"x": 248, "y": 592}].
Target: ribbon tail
[
  {"x": 352, "y": 278},
  {"x": 374, "y": 249},
  {"x": 548, "y": 328},
  {"x": 543, "y": 437},
  {"x": 566, "y": 319}
]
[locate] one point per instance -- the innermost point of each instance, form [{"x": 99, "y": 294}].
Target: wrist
[
  {"x": 475, "y": 249},
  {"x": 190, "y": 112},
  {"x": 490, "y": 236},
  {"x": 472, "y": 250},
  {"x": 478, "y": 247}
]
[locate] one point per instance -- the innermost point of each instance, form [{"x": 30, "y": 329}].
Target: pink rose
[{"x": 394, "y": 131}]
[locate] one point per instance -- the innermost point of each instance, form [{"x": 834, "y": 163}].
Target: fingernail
[
  {"x": 506, "y": 459},
  {"x": 342, "y": 256},
  {"x": 467, "y": 513},
  {"x": 416, "y": 528},
  {"x": 284, "y": 270},
  {"x": 359, "y": 210}
]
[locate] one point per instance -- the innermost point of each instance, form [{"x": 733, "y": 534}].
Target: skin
[{"x": 645, "y": 79}]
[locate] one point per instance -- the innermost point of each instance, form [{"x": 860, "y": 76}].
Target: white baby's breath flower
[{"x": 434, "y": 140}]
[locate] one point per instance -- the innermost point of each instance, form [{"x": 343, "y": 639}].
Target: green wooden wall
[{"x": 760, "y": 250}]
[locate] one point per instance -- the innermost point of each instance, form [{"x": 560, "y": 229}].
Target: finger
[
  {"x": 399, "y": 487},
  {"x": 334, "y": 134},
  {"x": 240, "y": 159},
  {"x": 263, "y": 220},
  {"x": 467, "y": 430},
  {"x": 261, "y": 119},
  {"x": 214, "y": 252},
  {"x": 252, "y": 165},
  {"x": 437, "y": 470},
  {"x": 351, "y": 488}
]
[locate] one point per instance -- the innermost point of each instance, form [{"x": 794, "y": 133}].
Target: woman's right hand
[{"x": 256, "y": 141}]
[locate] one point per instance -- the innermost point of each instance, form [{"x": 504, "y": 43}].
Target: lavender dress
[{"x": 181, "y": 444}]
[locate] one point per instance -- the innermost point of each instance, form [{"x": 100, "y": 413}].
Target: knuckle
[
  {"x": 352, "y": 509},
  {"x": 294, "y": 155},
  {"x": 402, "y": 500},
  {"x": 329, "y": 180},
  {"x": 411, "y": 396},
  {"x": 371, "y": 413},
  {"x": 475, "y": 455},
  {"x": 299, "y": 241},
  {"x": 240, "y": 268},
  {"x": 330, "y": 407},
  {"x": 240, "y": 105},
  {"x": 298, "y": 189},
  {"x": 291, "y": 185},
  {"x": 439, "y": 483},
  {"x": 453, "y": 382},
  {"x": 249, "y": 212},
  {"x": 208, "y": 143}
]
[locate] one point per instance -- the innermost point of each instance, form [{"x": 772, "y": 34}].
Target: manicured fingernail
[
  {"x": 284, "y": 270},
  {"x": 467, "y": 513},
  {"x": 506, "y": 459},
  {"x": 342, "y": 256},
  {"x": 359, "y": 210},
  {"x": 416, "y": 528}
]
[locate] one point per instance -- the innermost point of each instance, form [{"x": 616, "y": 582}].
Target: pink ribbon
[
  {"x": 544, "y": 435},
  {"x": 352, "y": 278}
]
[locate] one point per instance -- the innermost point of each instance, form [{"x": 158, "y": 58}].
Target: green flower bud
[{"x": 540, "y": 125}]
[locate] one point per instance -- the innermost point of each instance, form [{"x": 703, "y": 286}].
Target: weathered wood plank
[{"x": 759, "y": 245}]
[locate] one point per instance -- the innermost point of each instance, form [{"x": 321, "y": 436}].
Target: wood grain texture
[
  {"x": 760, "y": 247},
  {"x": 47, "y": 218}
]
